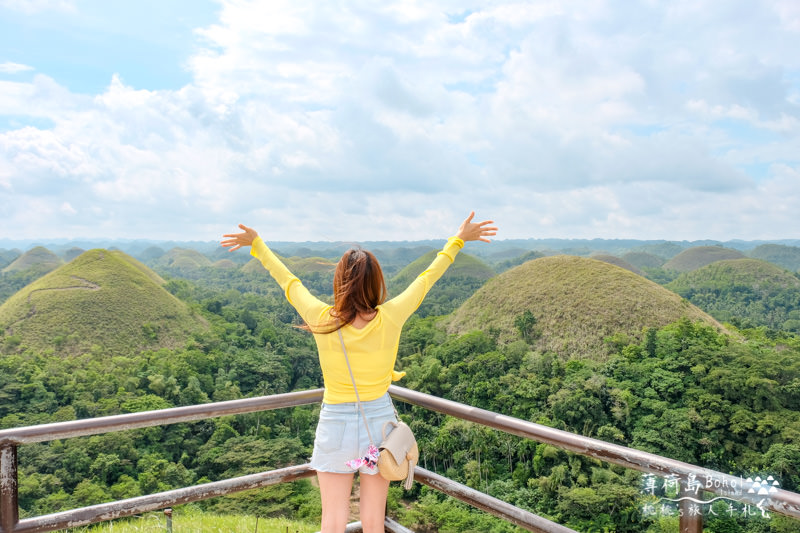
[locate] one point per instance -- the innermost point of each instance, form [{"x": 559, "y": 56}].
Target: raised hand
[
  {"x": 237, "y": 240},
  {"x": 476, "y": 231}
]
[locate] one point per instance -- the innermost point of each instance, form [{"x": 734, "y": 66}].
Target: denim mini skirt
[{"x": 341, "y": 435}]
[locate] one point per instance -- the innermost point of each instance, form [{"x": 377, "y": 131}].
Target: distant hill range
[
  {"x": 700, "y": 256},
  {"x": 576, "y": 303},
  {"x": 101, "y": 300},
  {"x": 750, "y": 292}
]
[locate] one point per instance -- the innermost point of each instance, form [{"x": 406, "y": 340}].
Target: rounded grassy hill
[
  {"x": 39, "y": 258},
  {"x": 465, "y": 276},
  {"x": 465, "y": 265},
  {"x": 577, "y": 303},
  {"x": 614, "y": 260},
  {"x": 101, "y": 298},
  {"x": 643, "y": 259},
  {"x": 8, "y": 256},
  {"x": 700, "y": 256},
  {"x": 787, "y": 257},
  {"x": 183, "y": 259},
  {"x": 299, "y": 266},
  {"x": 751, "y": 290}
]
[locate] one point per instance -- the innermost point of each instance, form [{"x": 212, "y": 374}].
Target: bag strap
[{"x": 355, "y": 389}]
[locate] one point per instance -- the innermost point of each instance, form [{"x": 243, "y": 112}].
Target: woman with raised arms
[{"x": 370, "y": 326}]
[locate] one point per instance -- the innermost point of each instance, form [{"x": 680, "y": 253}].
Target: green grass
[
  {"x": 199, "y": 522},
  {"x": 700, "y": 256},
  {"x": 102, "y": 298},
  {"x": 577, "y": 303}
]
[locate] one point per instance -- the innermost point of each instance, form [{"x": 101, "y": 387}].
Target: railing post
[
  {"x": 691, "y": 515},
  {"x": 9, "y": 510}
]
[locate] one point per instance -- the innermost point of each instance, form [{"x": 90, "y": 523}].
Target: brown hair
[{"x": 358, "y": 287}]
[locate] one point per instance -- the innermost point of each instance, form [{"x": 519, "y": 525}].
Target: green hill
[
  {"x": 643, "y": 259},
  {"x": 787, "y": 257},
  {"x": 151, "y": 253},
  {"x": 299, "y": 266},
  {"x": 465, "y": 265},
  {"x": 504, "y": 255},
  {"x": 252, "y": 267},
  {"x": 466, "y": 275},
  {"x": 102, "y": 298},
  {"x": 614, "y": 260},
  {"x": 666, "y": 250},
  {"x": 39, "y": 258},
  {"x": 225, "y": 263},
  {"x": 502, "y": 266},
  {"x": 7, "y": 256},
  {"x": 700, "y": 256},
  {"x": 72, "y": 253},
  {"x": 183, "y": 259},
  {"x": 749, "y": 290},
  {"x": 576, "y": 303},
  {"x": 306, "y": 265},
  {"x": 395, "y": 259}
]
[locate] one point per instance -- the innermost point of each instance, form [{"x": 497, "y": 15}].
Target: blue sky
[{"x": 391, "y": 120}]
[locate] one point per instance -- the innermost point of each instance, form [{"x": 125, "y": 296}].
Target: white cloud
[
  {"x": 14, "y": 68},
  {"x": 394, "y": 119}
]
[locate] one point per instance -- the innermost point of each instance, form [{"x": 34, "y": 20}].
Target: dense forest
[{"x": 723, "y": 398}]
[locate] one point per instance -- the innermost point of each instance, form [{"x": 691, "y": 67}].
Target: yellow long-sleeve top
[{"x": 372, "y": 349}]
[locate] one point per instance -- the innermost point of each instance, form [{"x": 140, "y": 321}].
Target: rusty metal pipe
[
  {"x": 154, "y": 502},
  {"x": 9, "y": 508},
  {"x": 174, "y": 415},
  {"x": 782, "y": 501},
  {"x": 499, "y": 508}
]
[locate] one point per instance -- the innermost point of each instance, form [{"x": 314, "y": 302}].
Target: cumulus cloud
[{"x": 394, "y": 119}]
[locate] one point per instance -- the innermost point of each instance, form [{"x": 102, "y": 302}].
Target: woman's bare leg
[
  {"x": 373, "y": 502},
  {"x": 335, "y": 491}
]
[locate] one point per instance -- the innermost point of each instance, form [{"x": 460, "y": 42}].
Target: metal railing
[{"x": 781, "y": 501}]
